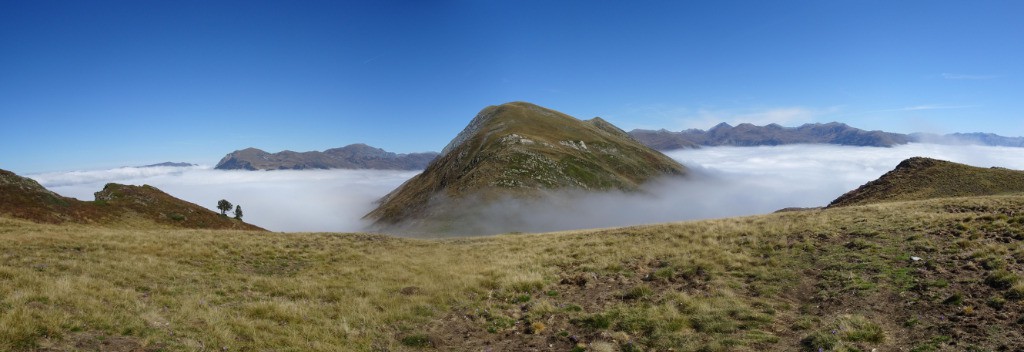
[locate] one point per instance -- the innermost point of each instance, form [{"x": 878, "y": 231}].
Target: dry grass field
[{"x": 930, "y": 275}]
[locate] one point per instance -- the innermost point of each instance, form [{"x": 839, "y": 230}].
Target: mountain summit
[{"x": 518, "y": 150}]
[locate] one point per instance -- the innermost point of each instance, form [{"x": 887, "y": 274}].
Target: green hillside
[
  {"x": 519, "y": 149},
  {"x": 924, "y": 178}
]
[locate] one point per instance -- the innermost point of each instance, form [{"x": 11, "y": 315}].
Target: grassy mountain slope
[
  {"x": 839, "y": 279},
  {"x": 516, "y": 149},
  {"x": 116, "y": 204},
  {"x": 25, "y": 198},
  {"x": 923, "y": 178}
]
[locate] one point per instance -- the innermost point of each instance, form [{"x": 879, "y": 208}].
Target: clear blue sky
[{"x": 96, "y": 84}]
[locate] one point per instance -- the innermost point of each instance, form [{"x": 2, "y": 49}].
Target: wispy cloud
[
  {"x": 914, "y": 108},
  {"x": 935, "y": 107},
  {"x": 967, "y": 76}
]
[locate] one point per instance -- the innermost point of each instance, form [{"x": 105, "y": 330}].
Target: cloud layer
[
  {"x": 727, "y": 181},
  {"x": 285, "y": 200}
]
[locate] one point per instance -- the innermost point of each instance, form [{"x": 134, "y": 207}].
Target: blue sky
[{"x": 97, "y": 84}]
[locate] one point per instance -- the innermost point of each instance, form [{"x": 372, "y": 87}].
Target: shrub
[
  {"x": 417, "y": 340},
  {"x": 523, "y": 282},
  {"x": 1016, "y": 292},
  {"x": 996, "y": 302},
  {"x": 595, "y": 321},
  {"x": 665, "y": 273},
  {"x": 859, "y": 329},
  {"x": 847, "y": 328},
  {"x": 992, "y": 263},
  {"x": 536, "y": 328},
  {"x": 819, "y": 341},
  {"x": 1001, "y": 279},
  {"x": 859, "y": 244},
  {"x": 637, "y": 292}
]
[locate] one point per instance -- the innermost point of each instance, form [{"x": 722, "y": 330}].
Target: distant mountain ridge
[
  {"x": 976, "y": 138},
  {"x": 170, "y": 164},
  {"x": 353, "y": 156},
  {"x": 748, "y": 135}
]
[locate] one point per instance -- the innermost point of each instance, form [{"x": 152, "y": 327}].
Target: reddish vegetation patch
[{"x": 24, "y": 198}]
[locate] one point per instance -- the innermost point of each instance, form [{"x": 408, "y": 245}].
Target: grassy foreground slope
[{"x": 833, "y": 279}]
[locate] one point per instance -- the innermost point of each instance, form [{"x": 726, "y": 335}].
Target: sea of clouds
[{"x": 725, "y": 181}]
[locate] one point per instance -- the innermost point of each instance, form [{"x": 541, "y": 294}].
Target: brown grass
[{"x": 773, "y": 282}]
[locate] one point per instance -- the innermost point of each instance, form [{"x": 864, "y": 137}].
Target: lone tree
[
  {"x": 224, "y": 206},
  {"x": 238, "y": 212}
]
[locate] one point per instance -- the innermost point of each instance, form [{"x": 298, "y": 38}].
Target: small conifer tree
[{"x": 238, "y": 212}]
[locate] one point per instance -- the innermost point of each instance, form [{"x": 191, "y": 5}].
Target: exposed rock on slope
[
  {"x": 517, "y": 150},
  {"x": 923, "y": 178},
  {"x": 24, "y": 198},
  {"x": 750, "y": 135},
  {"x": 354, "y": 156}
]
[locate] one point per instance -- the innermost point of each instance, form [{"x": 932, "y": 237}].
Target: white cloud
[
  {"x": 728, "y": 181},
  {"x": 57, "y": 179}
]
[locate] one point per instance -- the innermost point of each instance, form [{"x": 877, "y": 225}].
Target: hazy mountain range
[
  {"x": 746, "y": 135},
  {"x": 353, "y": 156},
  {"x": 750, "y": 135},
  {"x": 170, "y": 164},
  {"x": 362, "y": 156}
]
